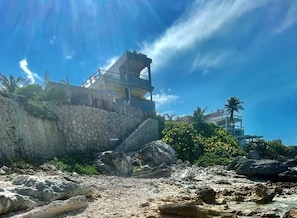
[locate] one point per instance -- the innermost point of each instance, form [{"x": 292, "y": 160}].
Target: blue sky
[{"x": 203, "y": 51}]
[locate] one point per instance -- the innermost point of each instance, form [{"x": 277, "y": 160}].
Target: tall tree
[
  {"x": 233, "y": 104},
  {"x": 11, "y": 84},
  {"x": 199, "y": 115}
]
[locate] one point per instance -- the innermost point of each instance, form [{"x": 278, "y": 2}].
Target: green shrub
[
  {"x": 53, "y": 93},
  {"x": 76, "y": 163},
  {"x": 184, "y": 139},
  {"x": 32, "y": 91},
  {"x": 220, "y": 157},
  {"x": 268, "y": 149}
]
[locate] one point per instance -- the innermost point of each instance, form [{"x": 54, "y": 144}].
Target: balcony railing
[{"x": 135, "y": 79}]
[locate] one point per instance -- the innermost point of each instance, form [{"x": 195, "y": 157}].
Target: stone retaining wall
[{"x": 78, "y": 129}]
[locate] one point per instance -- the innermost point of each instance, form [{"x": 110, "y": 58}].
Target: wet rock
[
  {"x": 291, "y": 214},
  {"x": 207, "y": 194}
]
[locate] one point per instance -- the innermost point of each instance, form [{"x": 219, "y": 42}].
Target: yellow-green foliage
[
  {"x": 184, "y": 138},
  {"x": 222, "y": 140},
  {"x": 205, "y": 144}
]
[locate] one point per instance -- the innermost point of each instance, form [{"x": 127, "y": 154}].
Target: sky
[{"x": 203, "y": 51}]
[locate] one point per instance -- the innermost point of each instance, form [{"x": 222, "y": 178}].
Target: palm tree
[
  {"x": 170, "y": 117},
  {"x": 11, "y": 84},
  {"x": 233, "y": 104},
  {"x": 199, "y": 115}
]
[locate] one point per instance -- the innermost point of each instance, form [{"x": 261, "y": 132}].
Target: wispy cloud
[
  {"x": 109, "y": 63},
  {"x": 68, "y": 57},
  {"x": 289, "y": 19},
  {"x": 202, "y": 21},
  {"x": 30, "y": 75},
  {"x": 162, "y": 99}
]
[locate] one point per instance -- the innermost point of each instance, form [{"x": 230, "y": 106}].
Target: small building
[
  {"x": 129, "y": 79},
  {"x": 234, "y": 128}
]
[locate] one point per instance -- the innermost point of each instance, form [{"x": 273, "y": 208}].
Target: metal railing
[{"x": 125, "y": 76}]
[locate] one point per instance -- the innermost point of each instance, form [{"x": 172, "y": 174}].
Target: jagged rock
[
  {"x": 193, "y": 211},
  {"x": 262, "y": 194},
  {"x": 114, "y": 163},
  {"x": 49, "y": 188},
  {"x": 122, "y": 163},
  {"x": 156, "y": 153},
  {"x": 56, "y": 208},
  {"x": 10, "y": 202},
  {"x": 27, "y": 192},
  {"x": 206, "y": 194},
  {"x": 260, "y": 168},
  {"x": 291, "y": 214}
]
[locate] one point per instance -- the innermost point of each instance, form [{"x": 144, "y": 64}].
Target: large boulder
[
  {"x": 114, "y": 163},
  {"x": 156, "y": 153},
  {"x": 257, "y": 168}
]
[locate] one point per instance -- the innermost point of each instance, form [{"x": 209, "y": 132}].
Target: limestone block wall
[
  {"x": 87, "y": 129},
  {"x": 23, "y": 135},
  {"x": 148, "y": 131},
  {"x": 77, "y": 129}
]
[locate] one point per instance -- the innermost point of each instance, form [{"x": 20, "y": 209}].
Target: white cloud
[
  {"x": 203, "y": 20},
  {"x": 68, "y": 57},
  {"x": 30, "y": 75},
  {"x": 109, "y": 63},
  {"x": 163, "y": 99}
]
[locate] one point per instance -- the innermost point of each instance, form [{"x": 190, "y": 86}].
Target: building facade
[{"x": 128, "y": 80}]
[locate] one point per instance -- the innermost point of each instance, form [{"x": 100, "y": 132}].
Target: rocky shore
[
  {"x": 190, "y": 191},
  {"x": 152, "y": 183}
]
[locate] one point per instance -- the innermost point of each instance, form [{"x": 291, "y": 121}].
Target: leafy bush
[
  {"x": 75, "y": 163},
  {"x": 184, "y": 139},
  {"x": 32, "y": 91},
  {"x": 268, "y": 149},
  {"x": 204, "y": 144},
  {"x": 220, "y": 157},
  {"x": 53, "y": 93}
]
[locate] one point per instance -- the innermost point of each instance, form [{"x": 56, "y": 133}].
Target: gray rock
[
  {"x": 122, "y": 163},
  {"x": 56, "y": 208},
  {"x": 27, "y": 192},
  {"x": 156, "y": 153},
  {"x": 257, "y": 168},
  {"x": 49, "y": 188},
  {"x": 11, "y": 202},
  {"x": 206, "y": 194}
]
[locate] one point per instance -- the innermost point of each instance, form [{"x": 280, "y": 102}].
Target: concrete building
[
  {"x": 128, "y": 80},
  {"x": 234, "y": 128}
]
